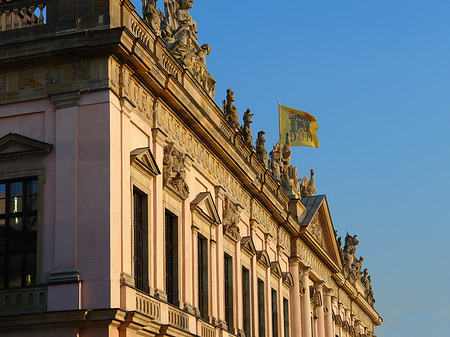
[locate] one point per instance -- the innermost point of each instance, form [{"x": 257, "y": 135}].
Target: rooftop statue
[
  {"x": 307, "y": 186},
  {"x": 341, "y": 251},
  {"x": 152, "y": 16},
  {"x": 245, "y": 129},
  {"x": 179, "y": 31},
  {"x": 261, "y": 151},
  {"x": 275, "y": 162},
  {"x": 281, "y": 171},
  {"x": 350, "y": 250},
  {"x": 357, "y": 267},
  {"x": 230, "y": 110}
]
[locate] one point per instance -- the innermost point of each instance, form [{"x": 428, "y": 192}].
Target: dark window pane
[
  {"x": 30, "y": 269},
  {"x": 14, "y": 272},
  {"x": 15, "y": 236},
  {"x": 2, "y": 272},
  {"x": 32, "y": 187},
  {"x": 16, "y": 189},
  {"x": 31, "y": 223}
]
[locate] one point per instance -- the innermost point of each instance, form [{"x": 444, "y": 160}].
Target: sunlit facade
[{"x": 131, "y": 206}]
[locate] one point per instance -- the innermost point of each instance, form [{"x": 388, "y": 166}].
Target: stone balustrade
[
  {"x": 148, "y": 306},
  {"x": 178, "y": 319},
  {"x": 21, "y": 14},
  {"x": 207, "y": 330},
  {"x": 23, "y": 301}
]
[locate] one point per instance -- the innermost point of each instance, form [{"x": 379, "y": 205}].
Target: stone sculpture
[
  {"x": 341, "y": 251},
  {"x": 230, "y": 110},
  {"x": 231, "y": 218},
  {"x": 281, "y": 171},
  {"x": 349, "y": 250},
  {"x": 357, "y": 267},
  {"x": 179, "y": 31},
  {"x": 174, "y": 171},
  {"x": 275, "y": 162},
  {"x": 245, "y": 129},
  {"x": 261, "y": 151},
  {"x": 307, "y": 186},
  {"x": 152, "y": 16}
]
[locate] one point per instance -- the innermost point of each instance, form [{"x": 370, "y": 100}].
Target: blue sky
[{"x": 376, "y": 76}]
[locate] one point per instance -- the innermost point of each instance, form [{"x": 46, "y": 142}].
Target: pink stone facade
[{"x": 133, "y": 239}]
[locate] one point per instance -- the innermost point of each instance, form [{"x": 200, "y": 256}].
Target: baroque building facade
[{"x": 132, "y": 205}]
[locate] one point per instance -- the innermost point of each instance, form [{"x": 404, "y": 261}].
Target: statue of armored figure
[
  {"x": 230, "y": 110},
  {"x": 261, "y": 151},
  {"x": 152, "y": 16},
  {"x": 245, "y": 129},
  {"x": 179, "y": 31}
]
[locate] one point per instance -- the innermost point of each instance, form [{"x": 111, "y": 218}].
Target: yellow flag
[{"x": 300, "y": 125}]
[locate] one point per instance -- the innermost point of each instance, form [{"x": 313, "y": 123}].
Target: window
[
  {"x": 203, "y": 276},
  {"x": 172, "y": 258},
  {"x": 261, "y": 309},
  {"x": 246, "y": 299},
  {"x": 18, "y": 232},
  {"x": 140, "y": 240},
  {"x": 228, "y": 261},
  {"x": 286, "y": 317},
  {"x": 274, "y": 314}
]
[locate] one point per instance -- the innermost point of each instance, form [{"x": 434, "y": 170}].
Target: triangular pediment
[
  {"x": 14, "y": 144},
  {"x": 275, "y": 269},
  {"x": 318, "y": 227},
  {"x": 288, "y": 280},
  {"x": 144, "y": 158},
  {"x": 248, "y": 246},
  {"x": 263, "y": 258},
  {"x": 204, "y": 203}
]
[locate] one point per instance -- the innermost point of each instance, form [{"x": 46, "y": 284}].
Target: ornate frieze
[{"x": 314, "y": 262}]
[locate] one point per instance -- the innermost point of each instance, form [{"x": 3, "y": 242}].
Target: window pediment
[
  {"x": 204, "y": 204},
  {"x": 263, "y": 258},
  {"x": 14, "y": 145},
  {"x": 288, "y": 280},
  {"x": 144, "y": 159},
  {"x": 275, "y": 269},
  {"x": 248, "y": 246}
]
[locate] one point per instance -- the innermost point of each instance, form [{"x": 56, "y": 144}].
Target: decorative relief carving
[
  {"x": 316, "y": 265},
  {"x": 231, "y": 218},
  {"x": 53, "y": 76},
  {"x": 316, "y": 229},
  {"x": 174, "y": 171}
]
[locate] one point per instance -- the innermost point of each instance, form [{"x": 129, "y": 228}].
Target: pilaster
[
  {"x": 158, "y": 137},
  {"x": 329, "y": 331},
  {"x": 65, "y": 280},
  {"x": 295, "y": 319},
  {"x": 320, "y": 313},
  {"x": 306, "y": 303}
]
